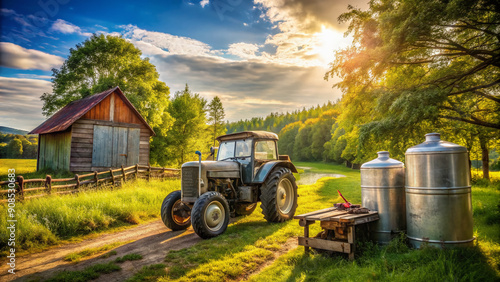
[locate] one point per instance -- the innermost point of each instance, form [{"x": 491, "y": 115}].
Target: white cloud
[
  {"x": 247, "y": 88},
  {"x": 203, "y": 3},
  {"x": 21, "y": 106},
  {"x": 174, "y": 45},
  {"x": 244, "y": 50},
  {"x": 65, "y": 27},
  {"x": 17, "y": 57}
]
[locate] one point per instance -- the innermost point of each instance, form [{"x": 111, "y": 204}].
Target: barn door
[{"x": 115, "y": 146}]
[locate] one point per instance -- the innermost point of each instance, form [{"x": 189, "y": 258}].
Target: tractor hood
[{"x": 216, "y": 169}]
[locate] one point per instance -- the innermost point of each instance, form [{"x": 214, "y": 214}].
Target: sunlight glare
[{"x": 327, "y": 42}]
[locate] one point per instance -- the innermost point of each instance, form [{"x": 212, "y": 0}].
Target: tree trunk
[{"x": 485, "y": 157}]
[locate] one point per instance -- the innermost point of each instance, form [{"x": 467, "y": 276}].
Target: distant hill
[{"x": 10, "y": 130}]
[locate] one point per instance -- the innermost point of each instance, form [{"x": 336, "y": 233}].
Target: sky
[{"x": 258, "y": 56}]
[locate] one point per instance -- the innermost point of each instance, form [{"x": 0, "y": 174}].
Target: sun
[{"x": 327, "y": 42}]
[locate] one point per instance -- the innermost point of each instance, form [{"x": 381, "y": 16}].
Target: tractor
[{"x": 246, "y": 170}]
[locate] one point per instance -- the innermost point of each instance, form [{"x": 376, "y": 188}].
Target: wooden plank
[
  {"x": 78, "y": 125},
  {"x": 81, "y": 150},
  {"x": 336, "y": 246},
  {"x": 109, "y": 123},
  {"x": 82, "y": 141},
  {"x": 82, "y": 135},
  {"x": 133, "y": 146},
  {"x": 81, "y": 145},
  {"x": 83, "y": 130},
  {"x": 87, "y": 161},
  {"x": 102, "y": 146},
  {"x": 352, "y": 217},
  {"x": 313, "y": 213},
  {"x": 326, "y": 215},
  {"x": 76, "y": 155}
]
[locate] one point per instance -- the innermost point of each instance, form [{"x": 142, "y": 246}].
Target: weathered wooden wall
[
  {"x": 113, "y": 108},
  {"x": 83, "y": 139},
  {"x": 54, "y": 150},
  {"x": 122, "y": 138}
]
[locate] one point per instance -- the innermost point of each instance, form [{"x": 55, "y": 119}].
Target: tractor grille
[{"x": 189, "y": 182}]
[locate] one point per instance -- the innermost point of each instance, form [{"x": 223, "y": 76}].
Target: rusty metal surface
[
  {"x": 66, "y": 116},
  {"x": 248, "y": 134}
]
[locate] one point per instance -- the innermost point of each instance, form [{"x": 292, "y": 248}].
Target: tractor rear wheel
[
  {"x": 245, "y": 209},
  {"x": 174, "y": 213},
  {"x": 210, "y": 215},
  {"x": 278, "y": 195}
]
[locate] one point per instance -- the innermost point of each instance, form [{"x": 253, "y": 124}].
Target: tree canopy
[
  {"x": 102, "y": 62},
  {"x": 424, "y": 60},
  {"x": 216, "y": 118}
]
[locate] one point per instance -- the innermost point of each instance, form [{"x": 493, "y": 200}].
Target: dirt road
[{"x": 152, "y": 241}]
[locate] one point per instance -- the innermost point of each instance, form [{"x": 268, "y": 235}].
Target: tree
[
  {"x": 188, "y": 132},
  {"x": 103, "y": 62},
  {"x": 422, "y": 62},
  {"x": 216, "y": 117},
  {"x": 15, "y": 149}
]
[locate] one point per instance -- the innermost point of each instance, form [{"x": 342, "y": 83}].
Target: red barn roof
[{"x": 73, "y": 111}]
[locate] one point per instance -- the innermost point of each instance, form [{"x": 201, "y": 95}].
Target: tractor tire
[
  {"x": 210, "y": 215},
  {"x": 171, "y": 209},
  {"x": 245, "y": 209},
  {"x": 278, "y": 195}
]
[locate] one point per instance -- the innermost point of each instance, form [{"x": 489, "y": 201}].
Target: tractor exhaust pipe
[{"x": 199, "y": 172}]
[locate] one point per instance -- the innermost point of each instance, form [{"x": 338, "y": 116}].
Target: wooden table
[{"x": 334, "y": 222}]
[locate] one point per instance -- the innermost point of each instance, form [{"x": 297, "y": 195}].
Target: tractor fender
[{"x": 266, "y": 168}]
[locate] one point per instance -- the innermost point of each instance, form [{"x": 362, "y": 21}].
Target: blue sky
[{"x": 258, "y": 56}]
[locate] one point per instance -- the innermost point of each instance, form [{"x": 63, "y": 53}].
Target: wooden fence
[{"x": 115, "y": 177}]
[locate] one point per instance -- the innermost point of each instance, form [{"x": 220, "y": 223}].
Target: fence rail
[{"x": 75, "y": 184}]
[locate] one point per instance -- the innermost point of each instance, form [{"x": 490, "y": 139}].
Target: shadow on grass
[{"x": 237, "y": 238}]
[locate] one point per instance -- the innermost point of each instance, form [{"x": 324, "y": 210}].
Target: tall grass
[
  {"x": 250, "y": 242},
  {"x": 45, "y": 221}
]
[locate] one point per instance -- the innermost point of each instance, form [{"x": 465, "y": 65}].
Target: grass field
[
  {"x": 251, "y": 241},
  {"x": 22, "y": 167}
]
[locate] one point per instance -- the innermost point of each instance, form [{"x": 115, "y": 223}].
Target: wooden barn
[{"x": 95, "y": 133}]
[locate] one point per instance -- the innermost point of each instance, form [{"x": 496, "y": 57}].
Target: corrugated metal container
[
  {"x": 382, "y": 190},
  {"x": 438, "y": 194}
]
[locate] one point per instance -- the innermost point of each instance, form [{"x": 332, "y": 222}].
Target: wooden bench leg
[
  {"x": 351, "y": 239},
  {"x": 306, "y": 235}
]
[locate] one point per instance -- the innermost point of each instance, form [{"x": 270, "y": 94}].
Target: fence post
[
  {"x": 48, "y": 184},
  {"x": 77, "y": 179},
  {"x": 20, "y": 181},
  {"x": 149, "y": 171},
  {"x": 112, "y": 176},
  {"x": 136, "y": 171},
  {"x": 96, "y": 178},
  {"x": 123, "y": 175}
]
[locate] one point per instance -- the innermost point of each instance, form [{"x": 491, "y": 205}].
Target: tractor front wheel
[
  {"x": 174, "y": 213},
  {"x": 210, "y": 215},
  {"x": 278, "y": 195}
]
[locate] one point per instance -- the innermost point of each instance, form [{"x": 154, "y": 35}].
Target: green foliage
[
  {"x": 128, "y": 257},
  {"x": 149, "y": 273},
  {"x": 216, "y": 117},
  {"x": 9, "y": 148},
  {"x": 15, "y": 149},
  {"x": 89, "y": 273},
  {"x": 188, "y": 132},
  {"x": 102, "y": 62}
]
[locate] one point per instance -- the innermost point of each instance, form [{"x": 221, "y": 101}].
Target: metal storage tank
[
  {"x": 438, "y": 194},
  {"x": 382, "y": 190}
]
